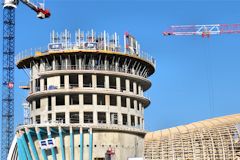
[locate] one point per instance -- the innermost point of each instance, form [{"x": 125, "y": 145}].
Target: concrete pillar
[
  {"x": 66, "y": 81},
  {"x": 106, "y": 82},
  {"x": 134, "y": 87},
  {"x": 80, "y": 63},
  {"x": 139, "y": 89},
  {"x": 90, "y": 143},
  {"x": 80, "y": 81},
  {"x": 54, "y": 63},
  {"x": 67, "y": 118},
  {"x": 53, "y": 103},
  {"x": 42, "y": 66},
  {"x": 81, "y": 143},
  {"x": 118, "y": 83},
  {"x": 127, "y": 85},
  {"x": 67, "y": 103},
  {"x": 41, "y": 84},
  {"x": 128, "y": 104},
  {"x": 71, "y": 144},
  {"x": 94, "y": 81}
]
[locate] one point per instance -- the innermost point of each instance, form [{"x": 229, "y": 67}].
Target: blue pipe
[
  {"x": 71, "y": 146},
  {"x": 25, "y": 147},
  {"x": 81, "y": 145},
  {"x": 52, "y": 149},
  {"x": 35, "y": 154},
  {"x": 42, "y": 150},
  {"x": 90, "y": 144},
  {"x": 62, "y": 144}
]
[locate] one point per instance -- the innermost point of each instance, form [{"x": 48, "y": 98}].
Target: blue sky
[{"x": 189, "y": 69}]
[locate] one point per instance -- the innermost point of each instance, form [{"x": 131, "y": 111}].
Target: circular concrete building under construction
[
  {"x": 86, "y": 99},
  {"x": 213, "y": 139}
]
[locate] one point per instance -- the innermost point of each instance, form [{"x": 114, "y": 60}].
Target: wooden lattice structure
[{"x": 213, "y": 139}]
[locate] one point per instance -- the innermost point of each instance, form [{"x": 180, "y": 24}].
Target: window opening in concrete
[
  {"x": 123, "y": 84},
  {"x": 60, "y": 117},
  {"x": 74, "y": 99},
  {"x": 88, "y": 117},
  {"x": 49, "y": 117},
  {"x": 132, "y": 120},
  {"x": 38, "y": 119},
  {"x": 58, "y": 63},
  {"x": 101, "y": 117},
  {"x": 87, "y": 98},
  {"x": 124, "y": 119},
  {"x": 37, "y": 85},
  {"x": 62, "y": 81},
  {"x": 113, "y": 118},
  {"x": 139, "y": 121},
  {"x": 73, "y": 80},
  {"x": 123, "y": 101},
  {"x": 60, "y": 100},
  {"x": 73, "y": 62},
  {"x": 131, "y": 86},
  {"x": 99, "y": 159},
  {"x": 132, "y": 103},
  {"x": 74, "y": 117},
  {"x": 113, "y": 100},
  {"x": 87, "y": 80},
  {"x": 49, "y": 103},
  {"x": 100, "y": 99},
  {"x": 138, "y": 108},
  {"x": 137, "y": 91},
  {"x": 112, "y": 82},
  {"x": 38, "y": 103},
  {"x": 48, "y": 65},
  {"x": 100, "y": 81}
]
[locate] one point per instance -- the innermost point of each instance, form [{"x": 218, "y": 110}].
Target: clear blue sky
[{"x": 185, "y": 65}]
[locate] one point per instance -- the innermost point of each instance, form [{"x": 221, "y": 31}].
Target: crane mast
[
  {"x": 202, "y": 30},
  {"x": 7, "y": 131}
]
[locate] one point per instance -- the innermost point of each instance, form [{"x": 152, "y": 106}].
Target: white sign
[{"x": 47, "y": 143}]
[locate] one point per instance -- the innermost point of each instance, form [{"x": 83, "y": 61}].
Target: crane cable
[{"x": 210, "y": 85}]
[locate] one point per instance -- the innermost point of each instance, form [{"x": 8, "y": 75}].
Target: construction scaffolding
[{"x": 213, "y": 139}]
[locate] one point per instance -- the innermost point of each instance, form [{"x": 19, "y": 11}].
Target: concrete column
[
  {"x": 81, "y": 114},
  {"x": 119, "y": 118},
  {"x": 118, "y": 83},
  {"x": 80, "y": 81},
  {"x": 107, "y": 101},
  {"x": 128, "y": 104},
  {"x": 67, "y": 121},
  {"x": 134, "y": 87},
  {"x": 90, "y": 143},
  {"x": 135, "y": 105},
  {"x": 80, "y": 63},
  {"x": 106, "y": 82},
  {"x": 127, "y": 85},
  {"x": 41, "y": 84},
  {"x": 94, "y": 81},
  {"x": 67, "y": 100},
  {"x": 71, "y": 144},
  {"x": 34, "y": 85},
  {"x": 54, "y": 63},
  {"x": 61, "y": 143},
  {"x": 53, "y": 103},
  {"x": 119, "y": 102},
  {"x": 66, "y": 81},
  {"x": 139, "y": 89},
  {"x": 81, "y": 143}
]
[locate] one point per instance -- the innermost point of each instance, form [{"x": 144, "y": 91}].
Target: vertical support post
[
  {"x": 124, "y": 43},
  {"x": 39, "y": 139},
  {"x": 90, "y": 143},
  {"x": 71, "y": 144},
  {"x": 35, "y": 154},
  {"x": 61, "y": 143},
  {"x": 81, "y": 143},
  {"x": 25, "y": 146},
  {"x": 52, "y": 149},
  {"x": 21, "y": 154}
]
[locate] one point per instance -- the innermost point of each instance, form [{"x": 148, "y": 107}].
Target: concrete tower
[{"x": 86, "y": 99}]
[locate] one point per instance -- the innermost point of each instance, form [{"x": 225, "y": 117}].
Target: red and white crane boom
[{"x": 202, "y": 30}]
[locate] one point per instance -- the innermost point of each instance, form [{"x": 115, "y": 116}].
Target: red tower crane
[{"x": 202, "y": 30}]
